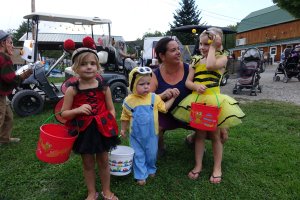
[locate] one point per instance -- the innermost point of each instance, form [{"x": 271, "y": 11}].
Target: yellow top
[
  {"x": 211, "y": 79},
  {"x": 134, "y": 100}
]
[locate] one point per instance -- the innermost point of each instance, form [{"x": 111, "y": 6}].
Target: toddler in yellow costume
[
  {"x": 140, "y": 116},
  {"x": 204, "y": 77}
]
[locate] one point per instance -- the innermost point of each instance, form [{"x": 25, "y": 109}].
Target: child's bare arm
[
  {"x": 191, "y": 85},
  {"x": 124, "y": 127},
  {"x": 213, "y": 62},
  {"x": 170, "y": 102},
  {"x": 67, "y": 112},
  {"x": 189, "y": 81}
]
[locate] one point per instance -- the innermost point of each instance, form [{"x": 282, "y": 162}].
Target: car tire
[
  {"x": 118, "y": 92},
  {"x": 27, "y": 102}
]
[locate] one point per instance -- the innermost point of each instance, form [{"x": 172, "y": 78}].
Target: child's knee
[
  {"x": 103, "y": 167},
  {"x": 216, "y": 135},
  {"x": 88, "y": 166},
  {"x": 200, "y": 135}
]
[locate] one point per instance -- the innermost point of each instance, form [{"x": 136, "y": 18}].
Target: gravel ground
[{"x": 279, "y": 91}]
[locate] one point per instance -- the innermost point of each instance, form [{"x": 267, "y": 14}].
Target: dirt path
[{"x": 280, "y": 91}]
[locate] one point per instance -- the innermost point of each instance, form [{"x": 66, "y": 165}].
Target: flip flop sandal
[
  {"x": 213, "y": 181},
  {"x": 112, "y": 197},
  {"x": 96, "y": 196},
  {"x": 195, "y": 175}
]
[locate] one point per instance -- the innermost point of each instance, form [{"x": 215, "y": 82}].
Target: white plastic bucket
[{"x": 120, "y": 160}]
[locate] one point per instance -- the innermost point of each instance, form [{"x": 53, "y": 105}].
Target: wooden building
[{"x": 271, "y": 30}]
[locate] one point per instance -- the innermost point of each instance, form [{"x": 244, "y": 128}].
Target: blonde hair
[
  {"x": 81, "y": 57},
  {"x": 214, "y": 30}
]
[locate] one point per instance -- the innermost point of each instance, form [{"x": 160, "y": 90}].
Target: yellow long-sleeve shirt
[{"x": 134, "y": 100}]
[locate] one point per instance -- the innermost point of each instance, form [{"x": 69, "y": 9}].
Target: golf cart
[
  {"x": 197, "y": 29},
  {"x": 29, "y": 97}
]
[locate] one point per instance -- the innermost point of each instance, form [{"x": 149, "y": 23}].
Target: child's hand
[
  {"x": 200, "y": 88},
  {"x": 123, "y": 133},
  {"x": 84, "y": 109},
  {"x": 167, "y": 94},
  {"x": 217, "y": 41},
  {"x": 175, "y": 92}
]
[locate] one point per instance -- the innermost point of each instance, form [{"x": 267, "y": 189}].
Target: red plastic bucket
[
  {"x": 55, "y": 144},
  {"x": 204, "y": 117}
]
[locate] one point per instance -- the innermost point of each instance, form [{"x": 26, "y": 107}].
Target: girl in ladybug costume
[{"x": 89, "y": 111}]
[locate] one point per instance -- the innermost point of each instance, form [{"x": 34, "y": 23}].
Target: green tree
[
  {"x": 20, "y": 32},
  {"x": 292, "y": 6},
  {"x": 137, "y": 45},
  {"x": 229, "y": 39},
  {"x": 155, "y": 34},
  {"x": 188, "y": 14}
]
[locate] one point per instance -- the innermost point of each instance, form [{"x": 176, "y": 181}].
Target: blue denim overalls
[{"x": 143, "y": 140}]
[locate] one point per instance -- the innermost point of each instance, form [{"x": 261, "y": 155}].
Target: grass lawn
[{"x": 261, "y": 161}]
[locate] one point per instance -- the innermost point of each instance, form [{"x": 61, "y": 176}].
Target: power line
[
  {"x": 220, "y": 18},
  {"x": 220, "y": 14},
  {"x": 248, "y": 22}
]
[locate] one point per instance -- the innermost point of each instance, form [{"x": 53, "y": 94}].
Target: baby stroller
[
  {"x": 249, "y": 73},
  {"x": 289, "y": 64}
]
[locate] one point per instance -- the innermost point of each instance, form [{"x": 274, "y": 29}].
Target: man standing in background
[{"x": 8, "y": 81}]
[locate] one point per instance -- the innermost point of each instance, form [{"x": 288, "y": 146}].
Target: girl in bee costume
[{"x": 204, "y": 79}]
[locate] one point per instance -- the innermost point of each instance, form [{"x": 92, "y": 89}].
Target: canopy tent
[{"x": 200, "y": 28}]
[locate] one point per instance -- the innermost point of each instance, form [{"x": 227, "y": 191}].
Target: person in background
[
  {"x": 89, "y": 110},
  {"x": 8, "y": 81},
  {"x": 123, "y": 57},
  {"x": 140, "y": 111},
  {"x": 113, "y": 42},
  {"x": 204, "y": 77},
  {"x": 267, "y": 58}
]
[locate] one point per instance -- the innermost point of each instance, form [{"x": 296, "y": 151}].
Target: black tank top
[{"x": 162, "y": 85}]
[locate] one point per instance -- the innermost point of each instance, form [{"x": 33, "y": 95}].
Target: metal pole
[{"x": 33, "y": 25}]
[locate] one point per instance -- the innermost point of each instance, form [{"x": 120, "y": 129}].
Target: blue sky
[{"x": 132, "y": 18}]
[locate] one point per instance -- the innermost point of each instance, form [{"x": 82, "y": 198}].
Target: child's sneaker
[{"x": 14, "y": 140}]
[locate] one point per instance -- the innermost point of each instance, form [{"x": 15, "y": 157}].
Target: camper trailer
[{"x": 149, "y": 56}]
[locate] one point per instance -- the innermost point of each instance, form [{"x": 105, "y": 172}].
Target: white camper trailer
[{"x": 149, "y": 48}]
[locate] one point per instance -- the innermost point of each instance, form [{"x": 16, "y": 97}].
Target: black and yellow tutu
[{"x": 230, "y": 114}]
